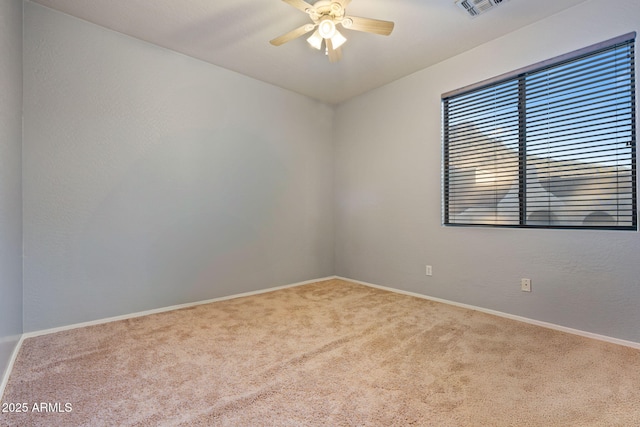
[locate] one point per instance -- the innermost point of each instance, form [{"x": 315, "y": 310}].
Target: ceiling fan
[{"x": 326, "y": 16}]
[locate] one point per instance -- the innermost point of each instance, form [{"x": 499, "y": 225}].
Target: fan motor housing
[{"x": 323, "y": 8}]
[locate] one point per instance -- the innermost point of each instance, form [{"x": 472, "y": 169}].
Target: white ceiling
[{"x": 235, "y": 34}]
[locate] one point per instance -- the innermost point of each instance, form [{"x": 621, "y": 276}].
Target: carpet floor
[{"x": 329, "y": 353}]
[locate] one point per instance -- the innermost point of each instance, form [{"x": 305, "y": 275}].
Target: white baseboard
[
  {"x": 12, "y": 360},
  {"x": 164, "y": 309},
  {"x": 605, "y": 338}
]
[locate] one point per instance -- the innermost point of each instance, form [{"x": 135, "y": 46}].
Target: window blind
[{"x": 549, "y": 146}]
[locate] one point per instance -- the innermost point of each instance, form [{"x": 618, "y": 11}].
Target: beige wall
[
  {"x": 10, "y": 179},
  {"x": 152, "y": 179},
  {"x": 388, "y": 196}
]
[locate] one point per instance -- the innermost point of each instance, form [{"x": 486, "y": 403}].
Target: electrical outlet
[
  {"x": 429, "y": 271},
  {"x": 525, "y": 285}
]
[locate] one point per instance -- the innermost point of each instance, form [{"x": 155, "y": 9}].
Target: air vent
[{"x": 474, "y": 8}]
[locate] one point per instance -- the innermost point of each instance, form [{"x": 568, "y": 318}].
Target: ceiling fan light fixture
[
  {"x": 315, "y": 40},
  {"x": 326, "y": 15}
]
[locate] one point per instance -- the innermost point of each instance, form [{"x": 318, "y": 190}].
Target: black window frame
[{"x": 520, "y": 78}]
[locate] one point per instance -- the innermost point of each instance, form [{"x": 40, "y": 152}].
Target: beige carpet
[{"x": 331, "y": 353}]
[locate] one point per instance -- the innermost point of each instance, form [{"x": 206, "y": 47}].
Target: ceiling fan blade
[
  {"x": 344, "y": 3},
  {"x": 338, "y": 54},
  {"x": 299, "y": 4},
  {"x": 335, "y": 55},
  {"x": 368, "y": 25},
  {"x": 300, "y": 31}
]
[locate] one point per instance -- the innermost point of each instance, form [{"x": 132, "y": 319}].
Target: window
[{"x": 552, "y": 145}]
